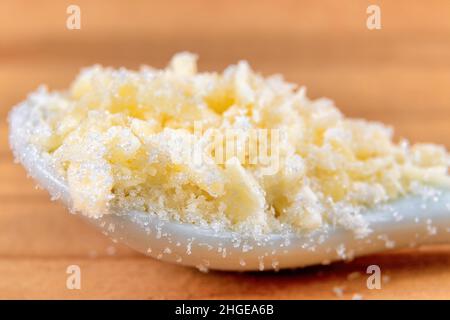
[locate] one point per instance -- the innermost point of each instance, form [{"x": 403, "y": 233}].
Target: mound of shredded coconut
[{"x": 234, "y": 150}]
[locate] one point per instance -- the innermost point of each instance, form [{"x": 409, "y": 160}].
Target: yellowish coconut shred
[{"x": 233, "y": 150}]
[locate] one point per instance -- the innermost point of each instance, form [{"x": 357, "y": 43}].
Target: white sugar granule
[{"x": 338, "y": 291}]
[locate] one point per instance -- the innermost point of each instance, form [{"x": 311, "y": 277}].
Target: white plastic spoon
[{"x": 411, "y": 221}]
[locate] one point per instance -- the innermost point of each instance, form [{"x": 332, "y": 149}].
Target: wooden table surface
[{"x": 399, "y": 75}]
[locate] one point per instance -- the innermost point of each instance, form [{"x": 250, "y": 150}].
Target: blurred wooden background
[{"x": 399, "y": 75}]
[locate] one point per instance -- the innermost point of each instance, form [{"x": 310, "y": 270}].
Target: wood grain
[{"x": 399, "y": 75}]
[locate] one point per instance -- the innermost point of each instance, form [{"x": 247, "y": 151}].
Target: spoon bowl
[{"x": 410, "y": 221}]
